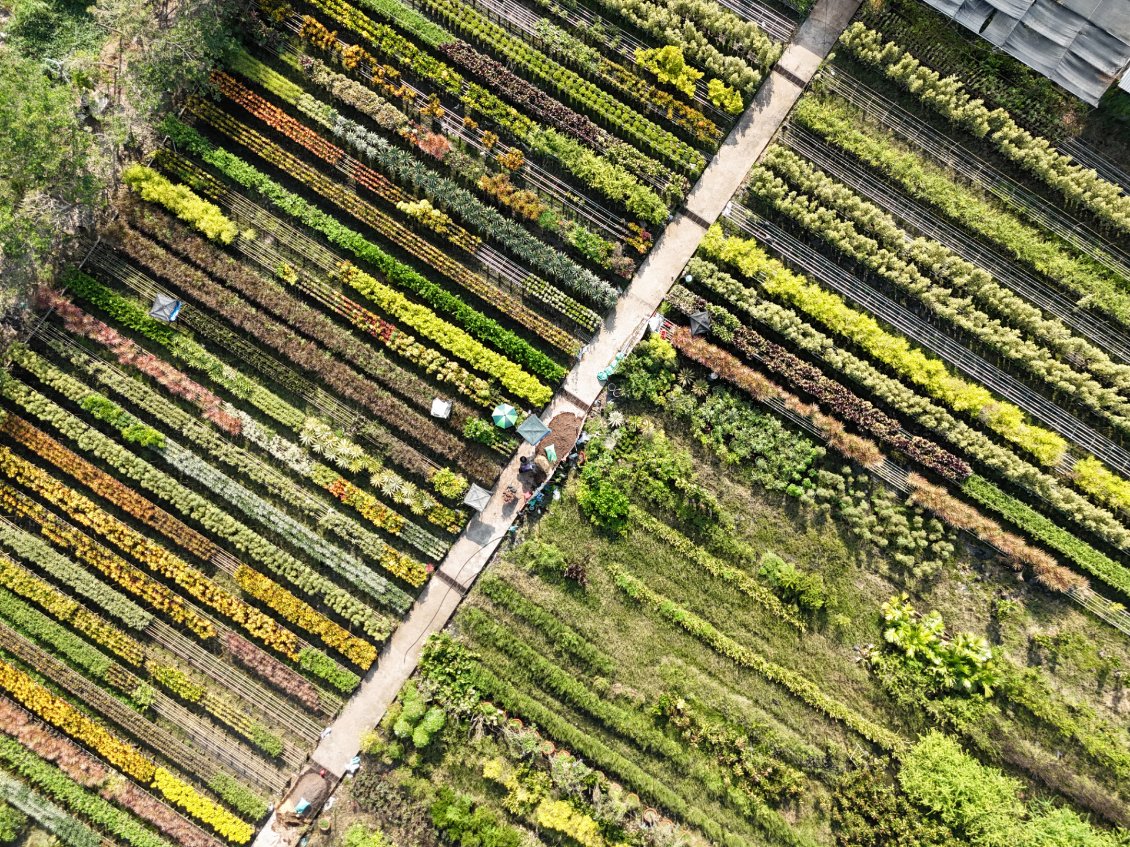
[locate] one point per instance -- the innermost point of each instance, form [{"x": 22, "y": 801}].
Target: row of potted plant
[
  {"x": 305, "y": 578},
  {"x": 315, "y": 433},
  {"x": 85, "y": 770},
  {"x": 840, "y": 401},
  {"x": 280, "y": 122},
  {"x": 219, "y": 706},
  {"x": 303, "y": 318},
  {"x": 291, "y": 609},
  {"x": 40, "y": 628},
  {"x": 570, "y": 50},
  {"x": 124, "y": 575},
  {"x": 951, "y": 271},
  {"x": 569, "y": 85},
  {"x": 590, "y": 164},
  {"x": 943, "y": 283},
  {"x": 446, "y": 194},
  {"x": 300, "y": 536},
  {"x": 296, "y": 459},
  {"x": 842, "y": 125},
  {"x": 58, "y": 605},
  {"x": 915, "y": 406},
  {"x": 350, "y": 202},
  {"x": 948, "y": 97},
  {"x": 86, "y": 513},
  {"x": 66, "y": 572},
  {"x": 510, "y": 86},
  {"x": 1047, "y": 532},
  {"x": 520, "y": 352},
  {"x": 306, "y": 353},
  {"x": 58, "y": 785},
  {"x": 472, "y": 166},
  {"x": 896, "y": 352},
  {"x": 122, "y": 755},
  {"x": 243, "y": 424}
]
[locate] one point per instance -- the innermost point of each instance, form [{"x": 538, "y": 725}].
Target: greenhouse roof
[{"x": 1083, "y": 45}]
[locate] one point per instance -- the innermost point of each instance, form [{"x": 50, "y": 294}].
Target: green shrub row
[
  {"x": 797, "y": 685},
  {"x": 736, "y": 577},
  {"x": 1047, "y": 532},
  {"x": 560, "y": 635},
  {"x": 576, "y": 692}
]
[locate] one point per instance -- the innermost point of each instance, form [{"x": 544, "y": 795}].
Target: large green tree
[{"x": 48, "y": 188}]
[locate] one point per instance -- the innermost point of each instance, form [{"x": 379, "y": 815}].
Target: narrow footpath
[{"x": 621, "y": 330}]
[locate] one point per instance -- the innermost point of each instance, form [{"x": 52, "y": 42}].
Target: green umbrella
[{"x": 504, "y": 415}]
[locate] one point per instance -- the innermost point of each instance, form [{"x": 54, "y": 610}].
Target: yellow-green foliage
[
  {"x": 182, "y": 202},
  {"x": 1113, "y": 490},
  {"x": 669, "y": 67}
]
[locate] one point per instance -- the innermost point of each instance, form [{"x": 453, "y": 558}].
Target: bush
[
  {"x": 544, "y": 559},
  {"x": 602, "y": 501},
  {"x": 417, "y": 720},
  {"x": 669, "y": 67},
  {"x": 964, "y": 663},
  {"x": 724, "y": 97},
  {"x": 793, "y": 585},
  {"x": 239, "y": 798},
  {"x": 359, "y": 835},
  {"x": 322, "y": 666},
  {"x": 649, "y": 372},
  {"x": 481, "y": 432},
  {"x": 12, "y": 823},
  {"x": 461, "y": 822}
]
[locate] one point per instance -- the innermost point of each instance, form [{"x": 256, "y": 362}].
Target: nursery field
[
  {"x": 722, "y": 633},
  {"x": 957, "y": 284},
  {"x": 845, "y": 562},
  {"x": 235, "y": 442}
]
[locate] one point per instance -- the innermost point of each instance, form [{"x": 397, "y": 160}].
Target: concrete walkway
[{"x": 469, "y": 555}]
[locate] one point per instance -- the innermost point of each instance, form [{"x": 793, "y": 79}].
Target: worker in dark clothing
[{"x": 526, "y": 465}]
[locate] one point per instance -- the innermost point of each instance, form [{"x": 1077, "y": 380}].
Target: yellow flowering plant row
[
  {"x": 107, "y": 562},
  {"x": 84, "y": 511},
  {"x": 122, "y": 755},
  {"x": 293, "y": 609},
  {"x": 61, "y": 607}
]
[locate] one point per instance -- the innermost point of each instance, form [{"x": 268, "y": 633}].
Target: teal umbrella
[{"x": 504, "y": 415}]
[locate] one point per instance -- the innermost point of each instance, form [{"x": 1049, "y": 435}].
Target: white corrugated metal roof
[{"x": 1083, "y": 45}]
